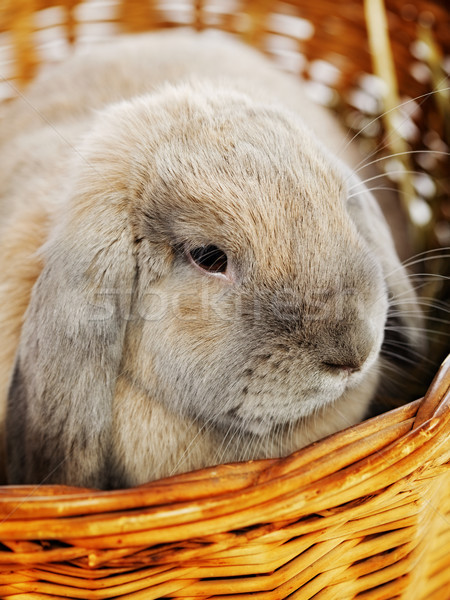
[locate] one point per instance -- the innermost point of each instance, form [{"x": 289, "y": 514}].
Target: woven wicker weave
[
  {"x": 363, "y": 514},
  {"x": 373, "y": 520}
]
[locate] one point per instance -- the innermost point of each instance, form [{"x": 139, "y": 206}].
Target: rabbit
[{"x": 191, "y": 271}]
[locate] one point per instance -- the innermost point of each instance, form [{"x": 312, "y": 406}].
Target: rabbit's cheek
[{"x": 240, "y": 362}]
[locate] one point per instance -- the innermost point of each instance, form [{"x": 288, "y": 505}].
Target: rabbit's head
[{"x": 207, "y": 250}]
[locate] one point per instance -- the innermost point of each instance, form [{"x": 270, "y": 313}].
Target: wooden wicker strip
[
  {"x": 21, "y": 503},
  {"x": 211, "y": 482},
  {"x": 110, "y": 528}
]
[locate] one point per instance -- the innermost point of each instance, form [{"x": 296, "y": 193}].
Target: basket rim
[
  {"x": 427, "y": 412},
  {"x": 374, "y": 455}
]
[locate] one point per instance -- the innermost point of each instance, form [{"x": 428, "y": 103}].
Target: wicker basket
[{"x": 362, "y": 514}]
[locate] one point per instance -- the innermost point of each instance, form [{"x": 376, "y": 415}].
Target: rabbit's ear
[
  {"x": 60, "y": 397},
  {"x": 404, "y": 309}
]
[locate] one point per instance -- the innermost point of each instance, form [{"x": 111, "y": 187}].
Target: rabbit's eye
[{"x": 209, "y": 258}]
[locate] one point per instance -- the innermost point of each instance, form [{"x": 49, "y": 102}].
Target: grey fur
[{"x": 132, "y": 364}]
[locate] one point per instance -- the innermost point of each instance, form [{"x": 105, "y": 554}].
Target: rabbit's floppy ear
[
  {"x": 371, "y": 224},
  {"x": 60, "y": 397}
]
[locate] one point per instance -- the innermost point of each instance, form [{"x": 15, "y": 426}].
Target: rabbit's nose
[{"x": 347, "y": 357}]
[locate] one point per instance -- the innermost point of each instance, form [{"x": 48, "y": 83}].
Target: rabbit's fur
[{"x": 130, "y": 363}]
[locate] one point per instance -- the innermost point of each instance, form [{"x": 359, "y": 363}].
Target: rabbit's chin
[{"x": 351, "y": 394}]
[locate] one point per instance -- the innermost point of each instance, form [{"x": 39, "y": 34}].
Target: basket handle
[{"x": 438, "y": 393}]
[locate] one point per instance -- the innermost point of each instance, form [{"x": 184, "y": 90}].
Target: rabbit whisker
[{"x": 422, "y": 98}]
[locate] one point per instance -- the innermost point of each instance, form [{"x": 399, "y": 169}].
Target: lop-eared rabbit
[{"x": 191, "y": 273}]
